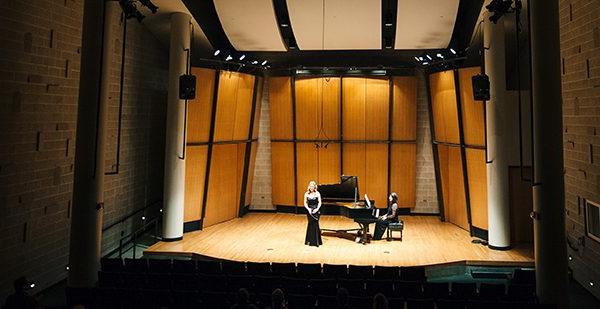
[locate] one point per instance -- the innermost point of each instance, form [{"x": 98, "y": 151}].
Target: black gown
[
  {"x": 313, "y": 232},
  {"x": 382, "y": 225}
]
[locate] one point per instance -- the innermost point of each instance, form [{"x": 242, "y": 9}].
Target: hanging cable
[{"x": 185, "y": 102}]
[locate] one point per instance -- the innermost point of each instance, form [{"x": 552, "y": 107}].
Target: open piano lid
[{"x": 346, "y": 190}]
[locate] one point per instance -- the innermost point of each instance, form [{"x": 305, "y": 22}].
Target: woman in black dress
[
  {"x": 390, "y": 216},
  {"x": 312, "y": 203}
]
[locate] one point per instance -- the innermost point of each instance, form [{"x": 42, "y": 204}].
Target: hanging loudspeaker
[
  {"x": 187, "y": 87},
  {"x": 481, "y": 87}
]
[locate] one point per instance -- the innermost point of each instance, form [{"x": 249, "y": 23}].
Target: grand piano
[{"x": 343, "y": 199}]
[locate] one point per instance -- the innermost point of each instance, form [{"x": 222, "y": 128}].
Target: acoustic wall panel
[
  {"x": 195, "y": 175},
  {"x": 404, "y": 110},
  {"x": 453, "y": 189},
  {"x": 403, "y": 173},
  {"x": 317, "y": 108},
  {"x": 472, "y": 111},
  {"x": 234, "y": 106},
  {"x": 376, "y": 170},
  {"x": 377, "y": 106},
  {"x": 353, "y": 108},
  {"x": 443, "y": 101},
  {"x": 200, "y": 109},
  {"x": 248, "y": 195},
  {"x": 280, "y": 103},
  {"x": 282, "y": 169},
  {"x": 477, "y": 176}
]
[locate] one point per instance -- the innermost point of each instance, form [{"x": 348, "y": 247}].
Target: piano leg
[{"x": 364, "y": 233}]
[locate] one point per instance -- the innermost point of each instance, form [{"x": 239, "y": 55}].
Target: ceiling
[{"x": 323, "y": 32}]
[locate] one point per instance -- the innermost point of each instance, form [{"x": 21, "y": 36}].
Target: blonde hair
[{"x": 312, "y": 183}]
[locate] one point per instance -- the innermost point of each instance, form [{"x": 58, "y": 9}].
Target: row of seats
[
  {"x": 358, "y": 287},
  {"x": 120, "y": 298}
]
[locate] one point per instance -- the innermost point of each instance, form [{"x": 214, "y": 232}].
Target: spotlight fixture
[
  {"x": 32, "y": 285},
  {"x": 440, "y": 56},
  {"x": 242, "y": 57},
  {"x": 417, "y": 59},
  {"x": 420, "y": 58},
  {"x": 425, "y": 63},
  {"x": 228, "y": 58},
  {"x": 254, "y": 62},
  {"x": 264, "y": 62},
  {"x": 591, "y": 283},
  {"x": 429, "y": 57},
  {"x": 453, "y": 51},
  {"x": 147, "y": 3},
  {"x": 217, "y": 52},
  {"x": 498, "y": 8},
  {"x": 130, "y": 10},
  {"x": 285, "y": 25},
  {"x": 143, "y": 218}
]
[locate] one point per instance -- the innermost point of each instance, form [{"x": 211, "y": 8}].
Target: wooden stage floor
[{"x": 270, "y": 237}]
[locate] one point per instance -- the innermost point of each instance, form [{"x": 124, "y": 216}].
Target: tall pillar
[
  {"x": 174, "y": 166},
  {"x": 88, "y": 185},
  {"x": 499, "y": 139},
  {"x": 548, "y": 191}
]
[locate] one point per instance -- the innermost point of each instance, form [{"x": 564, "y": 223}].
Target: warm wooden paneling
[
  {"x": 331, "y": 107},
  {"x": 243, "y": 110},
  {"x": 355, "y": 163},
  {"x": 199, "y": 109},
  {"x": 224, "y": 183},
  {"x": 307, "y": 168},
  {"x": 377, "y": 106},
  {"x": 259, "y": 93},
  {"x": 282, "y": 169},
  {"x": 455, "y": 207},
  {"x": 234, "y": 104},
  {"x": 252, "y": 164},
  {"x": 353, "y": 108},
  {"x": 329, "y": 164},
  {"x": 404, "y": 111},
  {"x": 403, "y": 173},
  {"x": 443, "y": 100},
  {"x": 308, "y": 107},
  {"x": 195, "y": 173},
  {"x": 376, "y": 182},
  {"x": 241, "y": 160},
  {"x": 280, "y": 104},
  {"x": 476, "y": 171},
  {"x": 472, "y": 111}
]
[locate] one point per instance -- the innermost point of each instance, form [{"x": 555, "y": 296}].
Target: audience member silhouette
[
  {"x": 342, "y": 298},
  {"x": 243, "y": 300},
  {"x": 380, "y": 302},
  {"x": 278, "y": 300},
  {"x": 20, "y": 299}
]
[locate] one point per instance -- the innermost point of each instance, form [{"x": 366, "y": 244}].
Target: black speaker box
[
  {"x": 481, "y": 87},
  {"x": 187, "y": 87}
]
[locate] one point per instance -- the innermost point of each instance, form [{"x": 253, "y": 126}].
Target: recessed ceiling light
[
  {"x": 242, "y": 57},
  {"x": 453, "y": 51},
  {"x": 264, "y": 62},
  {"x": 228, "y": 58},
  {"x": 217, "y": 52}
]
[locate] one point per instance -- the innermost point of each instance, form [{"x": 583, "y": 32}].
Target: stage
[{"x": 275, "y": 237}]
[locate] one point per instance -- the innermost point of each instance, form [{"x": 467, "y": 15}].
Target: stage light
[
  {"x": 440, "y": 56},
  {"x": 420, "y": 58},
  {"x": 429, "y": 57},
  {"x": 32, "y": 285},
  {"x": 453, "y": 51},
  {"x": 417, "y": 59},
  {"x": 217, "y": 52},
  {"x": 130, "y": 10},
  {"x": 570, "y": 258},
  {"x": 147, "y": 3},
  {"x": 67, "y": 268},
  {"x": 242, "y": 57},
  {"x": 228, "y": 58},
  {"x": 143, "y": 218},
  {"x": 160, "y": 210},
  {"x": 425, "y": 63},
  {"x": 591, "y": 283},
  {"x": 254, "y": 62},
  {"x": 285, "y": 25},
  {"x": 264, "y": 62}
]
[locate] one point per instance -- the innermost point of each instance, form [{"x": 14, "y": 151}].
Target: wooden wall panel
[
  {"x": 403, "y": 175},
  {"x": 307, "y": 168},
  {"x": 329, "y": 164},
  {"x": 199, "y": 109},
  {"x": 455, "y": 207},
  {"x": 243, "y": 110},
  {"x": 234, "y": 210},
  {"x": 377, "y": 106},
  {"x": 280, "y": 103},
  {"x": 282, "y": 169},
  {"x": 259, "y": 93},
  {"x": 404, "y": 111},
  {"x": 353, "y": 110},
  {"x": 223, "y": 194},
  {"x": 331, "y": 107},
  {"x": 443, "y": 100},
  {"x": 472, "y": 111},
  {"x": 308, "y": 106},
  {"x": 355, "y": 163},
  {"x": 226, "y": 105},
  {"x": 376, "y": 182},
  {"x": 248, "y": 195},
  {"x": 476, "y": 171},
  {"x": 195, "y": 173}
]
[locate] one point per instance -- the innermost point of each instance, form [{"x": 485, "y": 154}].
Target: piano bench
[{"x": 395, "y": 226}]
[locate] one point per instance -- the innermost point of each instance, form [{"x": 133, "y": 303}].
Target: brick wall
[
  {"x": 580, "y": 53},
  {"x": 39, "y": 80},
  {"x": 261, "y": 183}
]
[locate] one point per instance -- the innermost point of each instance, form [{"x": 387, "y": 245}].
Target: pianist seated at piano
[
  {"x": 312, "y": 203},
  {"x": 390, "y": 216}
]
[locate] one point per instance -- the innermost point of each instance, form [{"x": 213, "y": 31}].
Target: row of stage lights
[
  {"x": 240, "y": 59},
  {"x": 427, "y": 59}
]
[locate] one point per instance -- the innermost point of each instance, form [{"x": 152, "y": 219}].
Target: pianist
[
  {"x": 312, "y": 203},
  {"x": 390, "y": 216}
]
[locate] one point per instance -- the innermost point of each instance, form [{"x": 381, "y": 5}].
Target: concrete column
[
  {"x": 499, "y": 139},
  {"x": 548, "y": 191},
  {"x": 88, "y": 186},
  {"x": 174, "y": 166}
]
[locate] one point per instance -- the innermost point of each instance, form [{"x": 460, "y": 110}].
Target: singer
[{"x": 312, "y": 203}]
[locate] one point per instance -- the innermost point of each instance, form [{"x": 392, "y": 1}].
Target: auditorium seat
[
  {"x": 436, "y": 290},
  {"x": 215, "y": 300},
  {"x": 355, "y": 287},
  {"x": 266, "y": 284},
  {"x": 108, "y": 297},
  {"x": 295, "y": 285},
  {"x": 186, "y": 299},
  {"x": 523, "y": 276},
  {"x": 407, "y": 289},
  {"x": 184, "y": 266},
  {"x": 159, "y": 265},
  {"x": 326, "y": 301},
  {"x": 335, "y": 271},
  {"x": 323, "y": 286},
  {"x": 235, "y": 282},
  {"x": 159, "y": 281},
  {"x": 284, "y": 269},
  {"x": 416, "y": 273},
  {"x": 232, "y": 267},
  {"x": 394, "y": 302},
  {"x": 111, "y": 264},
  {"x": 360, "y": 302},
  {"x": 463, "y": 290},
  {"x": 309, "y": 271},
  {"x": 387, "y": 272},
  {"x": 134, "y": 280},
  {"x": 520, "y": 292},
  {"x": 412, "y": 303},
  {"x": 184, "y": 282},
  {"x": 385, "y": 287},
  {"x": 209, "y": 267},
  {"x": 215, "y": 283},
  {"x": 263, "y": 300},
  {"x": 450, "y": 304},
  {"x": 261, "y": 269},
  {"x": 491, "y": 291},
  {"x": 109, "y": 279},
  {"x": 300, "y": 301},
  {"x": 136, "y": 265},
  {"x": 360, "y": 272}
]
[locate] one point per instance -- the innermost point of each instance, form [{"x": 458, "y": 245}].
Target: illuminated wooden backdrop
[
  {"x": 459, "y": 147},
  {"x": 363, "y": 126},
  {"x": 221, "y": 145}
]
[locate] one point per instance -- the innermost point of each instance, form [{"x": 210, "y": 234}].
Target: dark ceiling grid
[
  {"x": 284, "y": 24},
  {"x": 389, "y": 12}
]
